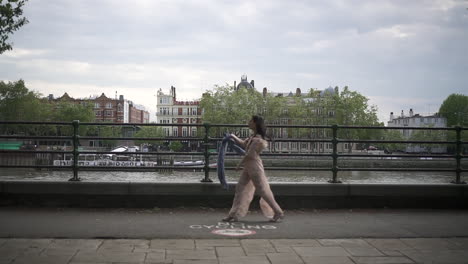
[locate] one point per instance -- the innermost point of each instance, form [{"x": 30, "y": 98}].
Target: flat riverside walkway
[{"x": 195, "y": 235}]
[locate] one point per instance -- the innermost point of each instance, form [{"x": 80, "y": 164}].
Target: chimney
[
  {"x": 235, "y": 86},
  {"x": 402, "y": 114},
  {"x": 173, "y": 92},
  {"x": 391, "y": 116},
  {"x": 411, "y": 112},
  {"x": 298, "y": 91},
  {"x": 121, "y": 97},
  {"x": 265, "y": 92},
  {"x": 252, "y": 82}
]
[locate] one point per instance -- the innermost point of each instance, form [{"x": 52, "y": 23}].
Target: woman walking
[{"x": 253, "y": 177}]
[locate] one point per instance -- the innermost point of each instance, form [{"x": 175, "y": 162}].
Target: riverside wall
[{"x": 289, "y": 195}]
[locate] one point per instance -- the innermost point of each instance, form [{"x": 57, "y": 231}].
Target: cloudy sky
[{"x": 401, "y": 54}]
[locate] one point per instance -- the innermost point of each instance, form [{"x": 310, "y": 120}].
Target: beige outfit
[{"x": 253, "y": 178}]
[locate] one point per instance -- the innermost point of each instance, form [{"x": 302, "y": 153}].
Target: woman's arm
[
  {"x": 250, "y": 153},
  {"x": 238, "y": 140}
]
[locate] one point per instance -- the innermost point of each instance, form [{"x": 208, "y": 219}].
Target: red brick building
[{"x": 110, "y": 110}]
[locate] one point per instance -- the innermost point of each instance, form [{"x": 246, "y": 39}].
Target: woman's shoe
[
  {"x": 277, "y": 217},
  {"x": 230, "y": 219}
]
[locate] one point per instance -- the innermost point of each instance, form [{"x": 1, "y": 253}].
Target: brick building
[{"x": 110, "y": 110}]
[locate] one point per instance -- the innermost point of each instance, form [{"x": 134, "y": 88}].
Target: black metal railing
[{"x": 212, "y": 141}]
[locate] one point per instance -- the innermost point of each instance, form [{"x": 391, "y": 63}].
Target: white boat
[{"x": 106, "y": 160}]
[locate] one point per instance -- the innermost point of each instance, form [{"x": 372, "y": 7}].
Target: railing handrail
[{"x": 208, "y": 141}]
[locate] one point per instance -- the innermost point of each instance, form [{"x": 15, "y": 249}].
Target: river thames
[{"x": 232, "y": 176}]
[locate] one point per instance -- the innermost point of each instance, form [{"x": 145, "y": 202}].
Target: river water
[{"x": 232, "y": 176}]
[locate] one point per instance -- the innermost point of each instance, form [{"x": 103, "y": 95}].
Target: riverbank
[{"x": 290, "y": 195}]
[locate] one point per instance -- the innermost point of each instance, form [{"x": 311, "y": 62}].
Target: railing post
[
  {"x": 76, "y": 124},
  {"x": 335, "y": 155},
  {"x": 206, "y": 154},
  {"x": 458, "y": 156}
]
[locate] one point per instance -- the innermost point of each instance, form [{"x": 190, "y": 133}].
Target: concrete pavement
[
  {"x": 196, "y": 223},
  {"x": 195, "y": 235},
  {"x": 235, "y": 251}
]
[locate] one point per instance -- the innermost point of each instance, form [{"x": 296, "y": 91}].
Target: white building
[
  {"x": 171, "y": 111},
  {"x": 417, "y": 120}
]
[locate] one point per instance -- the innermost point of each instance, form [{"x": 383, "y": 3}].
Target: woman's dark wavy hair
[{"x": 260, "y": 125}]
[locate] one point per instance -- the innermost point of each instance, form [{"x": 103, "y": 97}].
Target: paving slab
[
  {"x": 388, "y": 244},
  {"x": 229, "y": 251},
  {"x": 197, "y": 254},
  {"x": 172, "y": 244},
  {"x": 108, "y": 256},
  {"x": 382, "y": 260},
  {"x": 280, "y": 258},
  {"x": 257, "y": 246},
  {"x": 364, "y": 252},
  {"x": 429, "y": 243},
  {"x": 327, "y": 260},
  {"x": 89, "y": 244},
  {"x": 321, "y": 251},
  {"x": 244, "y": 260},
  {"x": 437, "y": 256}
]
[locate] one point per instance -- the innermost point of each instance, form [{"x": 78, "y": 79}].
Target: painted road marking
[
  {"x": 233, "y": 232},
  {"x": 233, "y": 225}
]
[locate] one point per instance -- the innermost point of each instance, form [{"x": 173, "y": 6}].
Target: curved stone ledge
[{"x": 290, "y": 195}]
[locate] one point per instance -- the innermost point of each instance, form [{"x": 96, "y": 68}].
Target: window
[
  {"x": 175, "y": 131},
  {"x": 97, "y": 105},
  {"x": 194, "y": 132},
  {"x": 109, "y": 113},
  {"x": 184, "y": 132},
  {"x": 109, "y": 105},
  {"x": 166, "y": 131},
  {"x": 119, "y": 107},
  {"x": 184, "y": 111},
  {"x": 98, "y": 113},
  {"x": 194, "y": 111}
]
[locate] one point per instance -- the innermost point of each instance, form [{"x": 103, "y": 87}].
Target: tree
[
  {"x": 225, "y": 105},
  {"x": 392, "y": 135},
  {"x": 149, "y": 132},
  {"x": 455, "y": 109},
  {"x": 17, "y": 103},
  {"x": 348, "y": 108},
  {"x": 10, "y": 21},
  {"x": 175, "y": 146},
  {"x": 67, "y": 112},
  {"x": 429, "y": 135}
]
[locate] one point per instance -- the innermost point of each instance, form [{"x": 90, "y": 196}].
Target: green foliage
[
  {"x": 455, "y": 109},
  {"x": 17, "y": 103},
  {"x": 429, "y": 135},
  {"x": 67, "y": 112},
  {"x": 392, "y": 135},
  {"x": 175, "y": 146},
  {"x": 225, "y": 105},
  {"x": 10, "y": 21},
  {"x": 149, "y": 132},
  {"x": 109, "y": 131}
]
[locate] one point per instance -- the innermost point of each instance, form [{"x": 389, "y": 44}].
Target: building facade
[
  {"x": 171, "y": 111},
  {"x": 417, "y": 120},
  {"x": 108, "y": 109}
]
